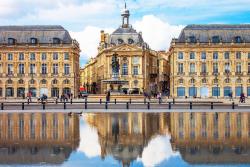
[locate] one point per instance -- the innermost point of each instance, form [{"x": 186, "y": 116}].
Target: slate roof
[
  {"x": 226, "y": 32},
  {"x": 125, "y": 34},
  {"x": 43, "y": 33}
]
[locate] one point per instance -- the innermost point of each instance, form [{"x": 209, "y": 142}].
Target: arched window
[
  {"x": 32, "y": 81},
  {"x": 192, "y": 39},
  {"x": 56, "y": 41},
  {"x": 125, "y": 69},
  {"x": 9, "y": 81},
  {"x": 43, "y": 81},
  {"x": 216, "y": 81},
  {"x": 130, "y": 41},
  {"x": 66, "y": 81},
  {"x": 11, "y": 41},
  {"x": 237, "y": 39},
  {"x": 54, "y": 81},
  {"x": 227, "y": 80},
  {"x": 120, "y": 41},
  {"x": 215, "y": 39},
  {"x": 204, "y": 80},
  {"x": 33, "y": 40},
  {"x": 192, "y": 81},
  {"x": 238, "y": 80},
  {"x": 21, "y": 81}
]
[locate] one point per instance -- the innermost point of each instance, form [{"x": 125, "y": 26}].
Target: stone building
[
  {"x": 211, "y": 138},
  {"x": 210, "y": 61},
  {"x": 35, "y": 138},
  {"x": 125, "y": 135},
  {"x": 39, "y": 60},
  {"x": 138, "y": 64}
]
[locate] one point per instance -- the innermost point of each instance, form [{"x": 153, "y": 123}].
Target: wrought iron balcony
[
  {"x": 181, "y": 73},
  {"x": 227, "y": 73},
  {"x": 20, "y": 75},
  {"x": 192, "y": 73},
  {"x": 239, "y": 73},
  {"x": 204, "y": 73}
]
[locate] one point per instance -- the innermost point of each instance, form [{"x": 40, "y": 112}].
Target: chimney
[{"x": 102, "y": 36}]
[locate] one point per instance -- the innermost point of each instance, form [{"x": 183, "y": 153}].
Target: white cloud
[
  {"x": 89, "y": 144},
  {"x": 89, "y": 40},
  {"x": 157, "y": 33},
  {"x": 158, "y": 150}
]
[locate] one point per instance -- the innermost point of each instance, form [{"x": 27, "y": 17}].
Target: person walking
[
  {"x": 230, "y": 96},
  {"x": 159, "y": 97}
]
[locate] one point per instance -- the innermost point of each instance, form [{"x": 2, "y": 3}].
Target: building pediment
[{"x": 125, "y": 48}]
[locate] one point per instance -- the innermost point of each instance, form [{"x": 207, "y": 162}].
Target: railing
[
  {"x": 204, "y": 73},
  {"x": 115, "y": 104},
  {"x": 181, "y": 73},
  {"x": 192, "y": 73}
]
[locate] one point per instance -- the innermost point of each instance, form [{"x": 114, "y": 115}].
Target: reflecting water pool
[{"x": 125, "y": 139}]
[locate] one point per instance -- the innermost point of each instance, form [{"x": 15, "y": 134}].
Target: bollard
[
  {"x": 22, "y": 106},
  {"x": 115, "y": 101},
  {"x": 64, "y": 105},
  {"x": 100, "y": 101},
  {"x": 2, "y": 108},
  {"x": 191, "y": 105},
  {"x": 148, "y": 105},
  {"x": 56, "y": 101},
  {"x": 127, "y": 105},
  {"x": 169, "y": 105},
  {"x": 106, "y": 105},
  {"x": 173, "y": 101},
  {"x": 43, "y": 105},
  {"x": 233, "y": 105},
  {"x": 130, "y": 101},
  {"x": 71, "y": 101},
  {"x": 86, "y": 104},
  {"x": 212, "y": 105},
  {"x": 144, "y": 100},
  {"x": 159, "y": 101}
]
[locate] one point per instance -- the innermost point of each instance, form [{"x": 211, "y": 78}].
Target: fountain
[{"x": 115, "y": 82}]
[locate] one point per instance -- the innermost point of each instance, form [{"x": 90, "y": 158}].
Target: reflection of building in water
[
  {"x": 211, "y": 137},
  {"x": 124, "y": 135},
  {"x": 31, "y": 138}
]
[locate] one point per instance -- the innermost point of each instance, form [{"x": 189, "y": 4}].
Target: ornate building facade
[
  {"x": 210, "y": 61},
  {"x": 211, "y": 138},
  {"x": 138, "y": 64},
  {"x": 35, "y": 138},
  {"x": 39, "y": 60},
  {"x": 124, "y": 135}
]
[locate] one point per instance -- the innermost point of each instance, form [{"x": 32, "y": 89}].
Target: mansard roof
[
  {"x": 225, "y": 32},
  {"x": 43, "y": 33}
]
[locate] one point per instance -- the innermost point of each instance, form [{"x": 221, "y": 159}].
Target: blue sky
[{"x": 157, "y": 19}]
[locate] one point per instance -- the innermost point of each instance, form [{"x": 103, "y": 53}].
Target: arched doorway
[
  {"x": 66, "y": 90},
  {"x": 204, "y": 91},
  {"x": 54, "y": 92},
  {"x": 9, "y": 92},
  {"x": 32, "y": 90},
  {"x": 20, "y": 92}
]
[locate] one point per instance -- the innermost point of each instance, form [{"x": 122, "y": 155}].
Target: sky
[{"x": 158, "y": 20}]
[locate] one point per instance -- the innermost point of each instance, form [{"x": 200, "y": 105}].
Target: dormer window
[
  {"x": 56, "y": 41},
  {"x": 192, "y": 39},
  {"x": 33, "y": 40},
  {"x": 215, "y": 39},
  {"x": 120, "y": 41},
  {"x": 130, "y": 41},
  {"x": 237, "y": 39},
  {"x": 11, "y": 41}
]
